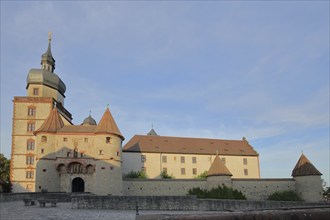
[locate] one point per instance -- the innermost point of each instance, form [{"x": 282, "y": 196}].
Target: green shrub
[
  {"x": 164, "y": 175},
  {"x": 135, "y": 175},
  {"x": 221, "y": 192},
  {"x": 202, "y": 175},
  {"x": 287, "y": 195}
]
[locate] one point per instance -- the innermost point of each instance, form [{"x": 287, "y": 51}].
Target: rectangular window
[
  {"x": 164, "y": 170},
  {"x": 29, "y": 160},
  {"x": 31, "y": 111},
  {"x": 174, "y": 158},
  {"x": 42, "y": 150},
  {"x": 194, "y": 160},
  {"x": 194, "y": 170},
  {"x": 143, "y": 158},
  {"x": 164, "y": 159},
  {"x": 101, "y": 152},
  {"x": 65, "y": 139},
  {"x": 30, "y": 126},
  {"x": 86, "y": 140},
  {"x": 107, "y": 140},
  {"x": 29, "y": 174},
  {"x": 246, "y": 172},
  {"x": 117, "y": 153},
  {"x": 35, "y": 91},
  {"x": 245, "y": 161},
  {"x": 43, "y": 139},
  {"x": 183, "y": 160},
  {"x": 30, "y": 145},
  {"x": 29, "y": 186},
  {"x": 183, "y": 171}
]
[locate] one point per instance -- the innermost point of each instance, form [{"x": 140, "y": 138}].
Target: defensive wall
[
  {"x": 253, "y": 189},
  {"x": 182, "y": 203}
]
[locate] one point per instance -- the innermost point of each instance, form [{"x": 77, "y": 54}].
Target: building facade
[
  {"x": 49, "y": 153},
  {"x": 186, "y": 158}
]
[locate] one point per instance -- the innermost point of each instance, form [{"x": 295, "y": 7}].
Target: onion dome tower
[
  {"x": 44, "y": 82},
  {"x": 89, "y": 120}
]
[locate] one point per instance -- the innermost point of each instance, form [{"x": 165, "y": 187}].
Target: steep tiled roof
[
  {"x": 156, "y": 144},
  {"x": 77, "y": 129},
  {"x": 218, "y": 168},
  {"x": 108, "y": 125},
  {"x": 52, "y": 123},
  {"x": 304, "y": 168}
]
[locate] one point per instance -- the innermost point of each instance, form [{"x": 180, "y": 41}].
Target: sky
[{"x": 215, "y": 69}]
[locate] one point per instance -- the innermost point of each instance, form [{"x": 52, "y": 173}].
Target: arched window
[
  {"x": 75, "y": 167},
  {"x": 90, "y": 169},
  {"x": 61, "y": 168}
]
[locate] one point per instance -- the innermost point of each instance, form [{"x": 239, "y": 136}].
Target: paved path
[{"x": 17, "y": 211}]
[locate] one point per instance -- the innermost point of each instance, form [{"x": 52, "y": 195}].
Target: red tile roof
[
  {"x": 52, "y": 123},
  {"x": 108, "y": 125},
  {"x": 305, "y": 168},
  {"x": 183, "y": 145},
  {"x": 218, "y": 168}
]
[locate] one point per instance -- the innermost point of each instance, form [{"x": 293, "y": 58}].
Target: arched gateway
[{"x": 78, "y": 185}]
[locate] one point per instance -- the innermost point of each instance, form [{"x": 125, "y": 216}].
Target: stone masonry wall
[
  {"x": 260, "y": 189},
  {"x": 160, "y": 187},
  {"x": 253, "y": 189},
  {"x": 183, "y": 203}
]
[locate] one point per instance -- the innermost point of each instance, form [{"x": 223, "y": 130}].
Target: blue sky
[{"x": 214, "y": 69}]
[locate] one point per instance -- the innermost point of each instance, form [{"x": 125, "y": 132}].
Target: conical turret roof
[
  {"x": 52, "y": 123},
  {"x": 218, "y": 168},
  {"x": 108, "y": 125},
  {"x": 152, "y": 132},
  {"x": 305, "y": 168}
]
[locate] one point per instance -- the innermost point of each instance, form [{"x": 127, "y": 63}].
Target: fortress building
[
  {"x": 50, "y": 153},
  {"x": 186, "y": 158}
]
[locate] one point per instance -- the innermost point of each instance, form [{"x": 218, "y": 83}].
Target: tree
[{"x": 5, "y": 173}]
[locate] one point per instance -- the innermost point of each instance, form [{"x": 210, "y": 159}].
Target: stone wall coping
[
  {"x": 163, "y": 180},
  {"x": 263, "y": 179}
]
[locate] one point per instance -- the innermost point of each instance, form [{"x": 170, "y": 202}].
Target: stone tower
[
  {"x": 218, "y": 174},
  {"x": 307, "y": 179},
  {"x": 45, "y": 90}
]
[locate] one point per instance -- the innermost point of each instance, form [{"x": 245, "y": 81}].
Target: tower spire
[{"x": 47, "y": 60}]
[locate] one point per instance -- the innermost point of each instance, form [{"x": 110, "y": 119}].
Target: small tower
[
  {"x": 218, "y": 174},
  {"x": 307, "y": 178},
  {"x": 108, "y": 139}
]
